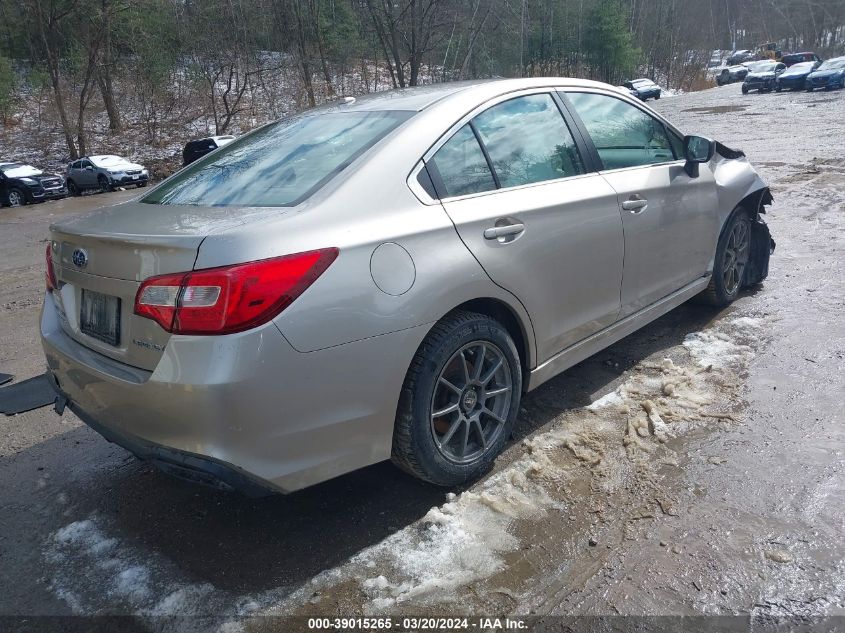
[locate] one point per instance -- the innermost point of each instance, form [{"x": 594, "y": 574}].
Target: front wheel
[
  {"x": 16, "y": 198},
  {"x": 459, "y": 400},
  {"x": 744, "y": 89},
  {"x": 72, "y": 189},
  {"x": 732, "y": 255},
  {"x": 104, "y": 183}
]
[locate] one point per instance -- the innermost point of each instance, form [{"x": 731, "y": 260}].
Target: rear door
[
  {"x": 669, "y": 218},
  {"x": 513, "y": 180}
]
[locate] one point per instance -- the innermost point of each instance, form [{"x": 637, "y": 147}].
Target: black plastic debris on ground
[
  {"x": 4, "y": 378},
  {"x": 26, "y": 395}
]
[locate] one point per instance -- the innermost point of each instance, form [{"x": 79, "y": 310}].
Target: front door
[
  {"x": 514, "y": 183},
  {"x": 669, "y": 218}
]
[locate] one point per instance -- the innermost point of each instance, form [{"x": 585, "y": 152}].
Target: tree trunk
[
  {"x": 104, "y": 76},
  {"x": 45, "y": 24}
]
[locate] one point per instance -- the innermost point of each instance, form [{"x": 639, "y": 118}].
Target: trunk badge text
[
  {"x": 148, "y": 345},
  {"x": 79, "y": 258}
]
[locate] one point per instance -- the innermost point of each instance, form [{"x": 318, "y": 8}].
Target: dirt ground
[{"x": 696, "y": 468}]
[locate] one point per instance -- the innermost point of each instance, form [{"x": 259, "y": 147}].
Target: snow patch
[{"x": 87, "y": 563}]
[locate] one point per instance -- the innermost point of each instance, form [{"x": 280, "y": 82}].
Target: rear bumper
[
  {"x": 759, "y": 84},
  {"x": 199, "y": 469},
  {"x": 825, "y": 82},
  {"x": 792, "y": 84},
  {"x": 244, "y": 409},
  {"x": 129, "y": 180}
]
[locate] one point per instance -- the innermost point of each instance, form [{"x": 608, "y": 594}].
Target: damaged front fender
[{"x": 739, "y": 186}]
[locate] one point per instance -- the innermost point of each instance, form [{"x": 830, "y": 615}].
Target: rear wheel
[
  {"x": 459, "y": 401},
  {"x": 744, "y": 89},
  {"x": 732, "y": 255},
  {"x": 15, "y": 198}
]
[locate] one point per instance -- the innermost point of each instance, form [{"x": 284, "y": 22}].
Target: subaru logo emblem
[{"x": 79, "y": 258}]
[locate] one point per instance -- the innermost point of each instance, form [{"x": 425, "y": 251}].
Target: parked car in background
[
  {"x": 762, "y": 76},
  {"x": 791, "y": 59},
  {"x": 644, "y": 89},
  {"x": 829, "y": 75},
  {"x": 795, "y": 77},
  {"x": 731, "y": 74},
  {"x": 200, "y": 147},
  {"x": 737, "y": 57},
  {"x": 22, "y": 184},
  {"x": 239, "y": 326},
  {"x": 104, "y": 173}
]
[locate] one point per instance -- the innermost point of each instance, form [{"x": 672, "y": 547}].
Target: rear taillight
[
  {"x": 50, "y": 277},
  {"x": 231, "y": 298}
]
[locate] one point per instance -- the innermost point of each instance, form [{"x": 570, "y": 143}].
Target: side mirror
[
  {"x": 89, "y": 168},
  {"x": 697, "y": 149}
]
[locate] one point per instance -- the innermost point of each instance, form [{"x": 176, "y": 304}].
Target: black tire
[
  {"x": 15, "y": 197},
  {"x": 778, "y": 88},
  {"x": 72, "y": 189},
  {"x": 415, "y": 449},
  {"x": 721, "y": 291},
  {"x": 104, "y": 184},
  {"x": 744, "y": 89},
  {"x": 656, "y": 97},
  {"x": 142, "y": 184}
]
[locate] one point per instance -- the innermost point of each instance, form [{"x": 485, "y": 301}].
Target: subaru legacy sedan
[{"x": 383, "y": 278}]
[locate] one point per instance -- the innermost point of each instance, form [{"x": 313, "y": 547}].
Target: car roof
[{"x": 419, "y": 98}]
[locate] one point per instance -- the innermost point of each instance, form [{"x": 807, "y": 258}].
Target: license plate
[
  {"x": 134, "y": 177},
  {"x": 99, "y": 317}
]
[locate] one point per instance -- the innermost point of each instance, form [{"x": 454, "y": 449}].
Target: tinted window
[
  {"x": 279, "y": 164},
  {"x": 461, "y": 165},
  {"x": 624, "y": 135},
  {"x": 528, "y": 141}
]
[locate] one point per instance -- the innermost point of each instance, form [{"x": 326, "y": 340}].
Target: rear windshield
[
  {"x": 280, "y": 164},
  {"x": 839, "y": 62},
  {"x": 762, "y": 67}
]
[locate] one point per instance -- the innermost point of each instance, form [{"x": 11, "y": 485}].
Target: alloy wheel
[
  {"x": 471, "y": 400},
  {"x": 15, "y": 199},
  {"x": 736, "y": 256}
]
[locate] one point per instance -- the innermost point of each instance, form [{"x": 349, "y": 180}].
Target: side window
[
  {"x": 461, "y": 165},
  {"x": 528, "y": 141},
  {"x": 624, "y": 135},
  {"x": 74, "y": 164},
  {"x": 86, "y": 163}
]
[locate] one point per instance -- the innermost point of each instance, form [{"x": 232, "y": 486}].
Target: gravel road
[{"x": 695, "y": 468}]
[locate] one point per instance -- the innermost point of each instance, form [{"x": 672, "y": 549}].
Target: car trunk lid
[{"x": 100, "y": 261}]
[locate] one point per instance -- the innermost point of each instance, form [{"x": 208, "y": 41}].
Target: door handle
[
  {"x": 495, "y": 232},
  {"x": 635, "y": 204}
]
